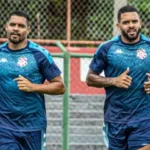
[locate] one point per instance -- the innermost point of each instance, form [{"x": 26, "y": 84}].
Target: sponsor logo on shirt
[
  {"x": 141, "y": 54},
  {"x": 3, "y": 60},
  {"x": 22, "y": 61},
  {"x": 118, "y": 51}
]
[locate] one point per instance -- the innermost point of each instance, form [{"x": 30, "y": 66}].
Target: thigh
[
  {"x": 16, "y": 140},
  {"x": 140, "y": 136},
  {"x": 10, "y": 146},
  {"x": 115, "y": 136},
  {"x": 33, "y": 140},
  {"x": 8, "y": 141}
]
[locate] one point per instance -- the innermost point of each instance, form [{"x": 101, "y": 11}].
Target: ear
[
  {"x": 6, "y": 26},
  {"x": 29, "y": 29},
  {"x": 141, "y": 23},
  {"x": 118, "y": 26}
]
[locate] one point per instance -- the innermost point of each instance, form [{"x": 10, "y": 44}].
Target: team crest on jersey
[
  {"x": 141, "y": 53},
  {"x": 22, "y": 61}
]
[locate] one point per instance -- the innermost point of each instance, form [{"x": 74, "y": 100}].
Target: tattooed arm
[{"x": 122, "y": 81}]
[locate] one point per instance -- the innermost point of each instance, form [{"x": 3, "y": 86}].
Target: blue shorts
[
  {"x": 129, "y": 136},
  {"x": 16, "y": 140}
]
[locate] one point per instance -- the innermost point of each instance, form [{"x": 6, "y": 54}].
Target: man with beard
[
  {"x": 125, "y": 60},
  {"x": 24, "y": 67}
]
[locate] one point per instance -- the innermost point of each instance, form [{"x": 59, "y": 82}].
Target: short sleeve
[
  {"x": 99, "y": 60},
  {"x": 46, "y": 64}
]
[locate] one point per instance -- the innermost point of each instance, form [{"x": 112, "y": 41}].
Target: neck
[{"x": 18, "y": 46}]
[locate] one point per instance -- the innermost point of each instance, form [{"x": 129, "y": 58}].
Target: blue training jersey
[
  {"x": 114, "y": 57},
  {"x": 19, "y": 110}
]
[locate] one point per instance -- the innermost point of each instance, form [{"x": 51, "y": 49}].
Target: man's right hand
[{"x": 123, "y": 81}]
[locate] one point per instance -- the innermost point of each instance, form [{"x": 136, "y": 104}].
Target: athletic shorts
[
  {"x": 129, "y": 136},
  {"x": 16, "y": 140}
]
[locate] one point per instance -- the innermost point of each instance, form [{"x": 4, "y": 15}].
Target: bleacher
[{"x": 85, "y": 125}]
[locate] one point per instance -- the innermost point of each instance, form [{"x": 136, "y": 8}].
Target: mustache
[
  {"x": 132, "y": 29},
  {"x": 15, "y": 33}
]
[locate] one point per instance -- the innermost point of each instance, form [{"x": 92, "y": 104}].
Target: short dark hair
[
  {"x": 126, "y": 9},
  {"x": 20, "y": 14}
]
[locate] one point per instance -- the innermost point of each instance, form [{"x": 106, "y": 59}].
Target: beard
[
  {"x": 16, "y": 41},
  {"x": 129, "y": 37}
]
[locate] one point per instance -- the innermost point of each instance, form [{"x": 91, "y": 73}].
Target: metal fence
[
  {"x": 73, "y": 22},
  {"x": 82, "y": 115}
]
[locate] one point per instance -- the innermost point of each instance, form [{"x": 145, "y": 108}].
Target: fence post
[{"x": 65, "y": 126}]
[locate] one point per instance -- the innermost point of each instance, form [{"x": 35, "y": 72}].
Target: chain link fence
[
  {"x": 89, "y": 20},
  {"x": 88, "y": 17},
  {"x": 48, "y": 17}
]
